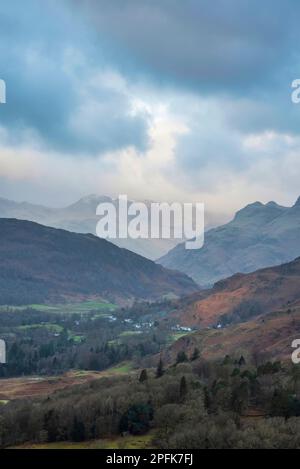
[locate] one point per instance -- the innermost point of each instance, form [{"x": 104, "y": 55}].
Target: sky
[{"x": 158, "y": 99}]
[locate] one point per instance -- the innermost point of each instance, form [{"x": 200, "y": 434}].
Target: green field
[
  {"x": 51, "y": 327},
  {"x": 124, "y": 334},
  {"x": 76, "y": 338},
  {"x": 103, "y": 307},
  {"x": 124, "y": 367},
  {"x": 176, "y": 336},
  {"x": 55, "y": 328},
  {"x": 129, "y": 333}
]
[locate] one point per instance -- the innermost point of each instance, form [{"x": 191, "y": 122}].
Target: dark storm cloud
[
  {"x": 245, "y": 52},
  {"x": 225, "y": 45},
  {"x": 48, "y": 86}
]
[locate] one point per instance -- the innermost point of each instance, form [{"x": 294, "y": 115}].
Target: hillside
[
  {"x": 40, "y": 264},
  {"x": 80, "y": 217},
  {"x": 258, "y": 236},
  {"x": 243, "y": 296},
  {"x": 267, "y": 337}
]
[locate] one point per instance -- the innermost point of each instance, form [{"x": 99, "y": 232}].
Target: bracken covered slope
[
  {"x": 264, "y": 338},
  {"x": 243, "y": 296}
]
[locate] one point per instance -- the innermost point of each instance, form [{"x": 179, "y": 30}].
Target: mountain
[
  {"x": 243, "y": 296},
  {"x": 258, "y": 236},
  {"x": 40, "y": 264},
  {"x": 255, "y": 315},
  {"x": 267, "y": 337},
  {"x": 80, "y": 217}
]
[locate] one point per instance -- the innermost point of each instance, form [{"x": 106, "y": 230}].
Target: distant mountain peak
[
  {"x": 260, "y": 235},
  {"x": 258, "y": 209},
  {"x": 249, "y": 210},
  {"x": 81, "y": 217},
  {"x": 92, "y": 198},
  {"x": 297, "y": 203},
  {"x": 255, "y": 204},
  {"x": 252, "y": 206},
  {"x": 88, "y": 204},
  {"x": 272, "y": 204}
]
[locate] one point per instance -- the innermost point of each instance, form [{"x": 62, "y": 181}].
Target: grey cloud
[
  {"x": 245, "y": 53},
  {"x": 42, "y": 97},
  {"x": 229, "y": 45}
]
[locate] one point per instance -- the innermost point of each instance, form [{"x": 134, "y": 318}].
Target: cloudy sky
[{"x": 159, "y": 99}]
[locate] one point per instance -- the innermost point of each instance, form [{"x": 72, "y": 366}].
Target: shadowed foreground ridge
[{"x": 40, "y": 264}]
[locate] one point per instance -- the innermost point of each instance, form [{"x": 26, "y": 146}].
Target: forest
[
  {"x": 189, "y": 404},
  {"x": 44, "y": 342}
]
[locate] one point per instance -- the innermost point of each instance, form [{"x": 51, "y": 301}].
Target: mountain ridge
[
  {"x": 243, "y": 296},
  {"x": 40, "y": 264},
  {"x": 267, "y": 337},
  {"x": 80, "y": 217},
  {"x": 258, "y": 236}
]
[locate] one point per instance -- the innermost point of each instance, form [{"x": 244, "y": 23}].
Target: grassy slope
[
  {"x": 27, "y": 387},
  {"x": 271, "y": 335}
]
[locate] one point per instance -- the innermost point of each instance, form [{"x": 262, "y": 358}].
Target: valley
[
  {"x": 149, "y": 228},
  {"x": 55, "y": 339},
  {"x": 106, "y": 349},
  {"x": 66, "y": 361}
]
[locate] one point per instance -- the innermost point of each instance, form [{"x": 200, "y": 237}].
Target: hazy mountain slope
[
  {"x": 39, "y": 264},
  {"x": 24, "y": 210},
  {"x": 259, "y": 236},
  {"x": 81, "y": 217},
  {"x": 243, "y": 296}
]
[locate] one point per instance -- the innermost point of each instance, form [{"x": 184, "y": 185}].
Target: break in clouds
[{"x": 160, "y": 100}]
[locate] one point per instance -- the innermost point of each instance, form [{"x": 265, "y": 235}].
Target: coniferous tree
[
  {"x": 242, "y": 361},
  {"x": 143, "y": 376},
  {"x": 78, "y": 430},
  {"x": 181, "y": 357},
  {"x": 227, "y": 360},
  {"x": 160, "y": 369},
  {"x": 195, "y": 355},
  {"x": 183, "y": 388}
]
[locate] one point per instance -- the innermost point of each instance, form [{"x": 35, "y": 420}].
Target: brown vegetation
[{"x": 245, "y": 296}]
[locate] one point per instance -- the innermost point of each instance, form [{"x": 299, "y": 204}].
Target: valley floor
[
  {"x": 126, "y": 442},
  {"x": 36, "y": 386}
]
